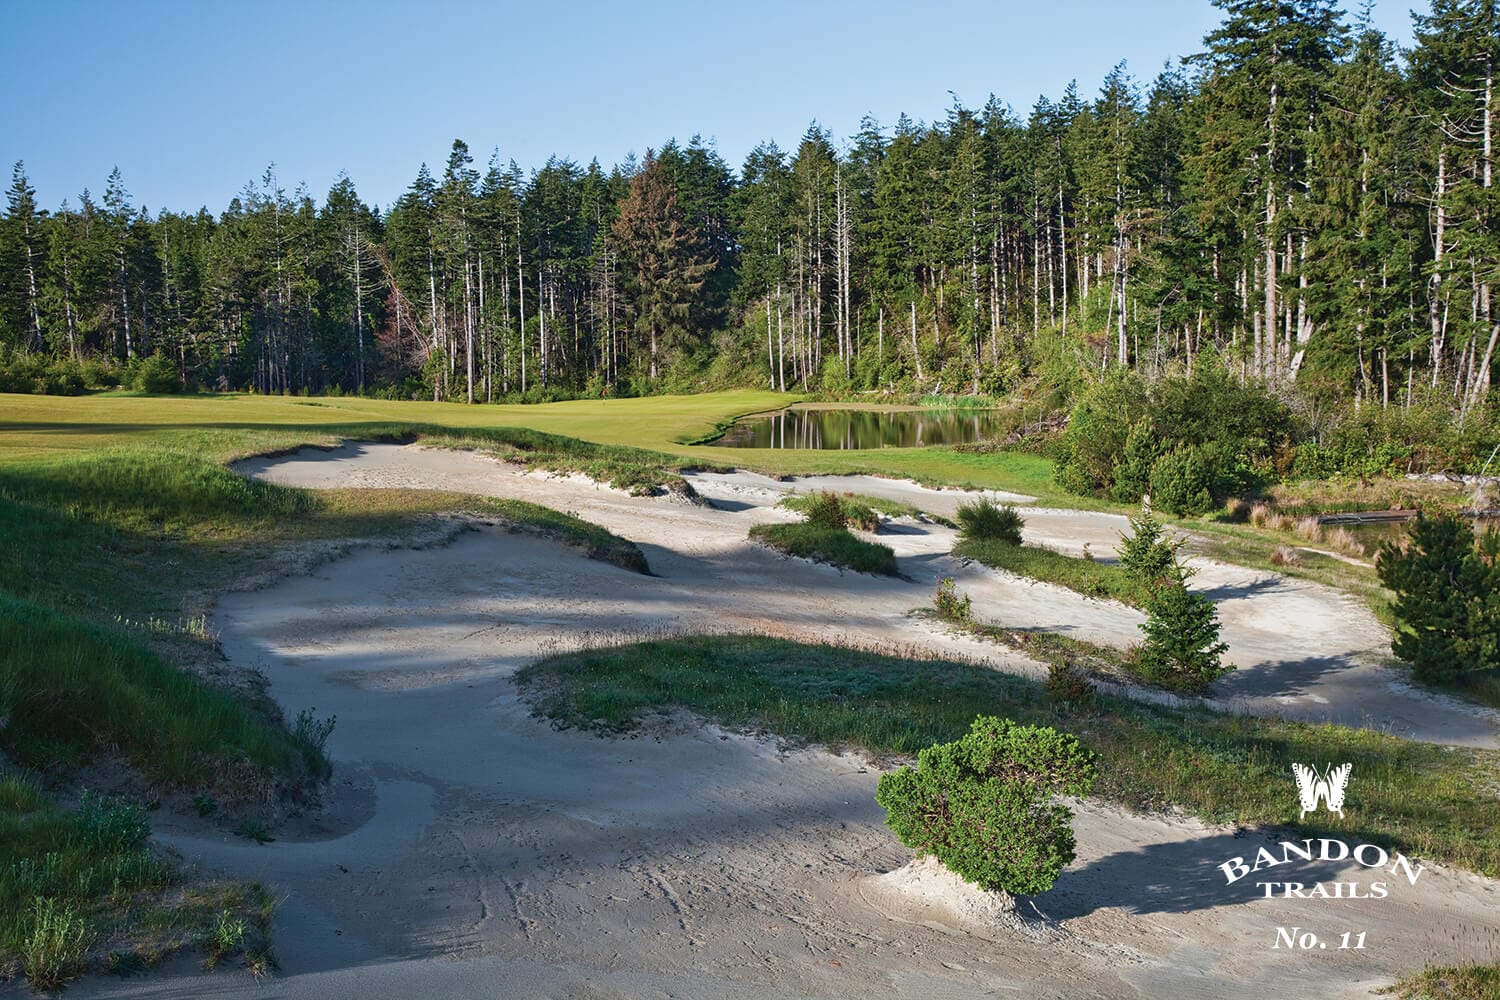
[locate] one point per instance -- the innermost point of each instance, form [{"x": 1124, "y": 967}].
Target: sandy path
[{"x": 494, "y": 856}]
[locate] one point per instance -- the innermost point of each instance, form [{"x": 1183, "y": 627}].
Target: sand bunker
[{"x": 492, "y": 855}]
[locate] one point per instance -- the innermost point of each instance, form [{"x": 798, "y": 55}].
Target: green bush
[
  {"x": 157, "y": 374},
  {"x": 824, "y": 510},
  {"x": 950, "y": 607},
  {"x": 1181, "y": 482},
  {"x": 983, "y": 805},
  {"x": 1098, "y": 427},
  {"x": 1120, "y": 427},
  {"x": 984, "y": 519},
  {"x": 1447, "y": 586},
  {"x": 1182, "y": 650},
  {"x": 1132, "y": 472}
]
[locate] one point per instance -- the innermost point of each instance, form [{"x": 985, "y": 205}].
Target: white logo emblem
[{"x": 1329, "y": 787}]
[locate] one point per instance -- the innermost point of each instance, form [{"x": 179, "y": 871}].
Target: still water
[{"x": 839, "y": 429}]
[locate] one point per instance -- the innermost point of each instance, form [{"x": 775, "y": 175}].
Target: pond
[{"x": 849, "y": 429}]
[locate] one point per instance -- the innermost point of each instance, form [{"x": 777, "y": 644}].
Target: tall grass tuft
[
  {"x": 984, "y": 519},
  {"x": 55, "y": 949}
]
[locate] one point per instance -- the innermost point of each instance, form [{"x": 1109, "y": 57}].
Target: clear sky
[{"x": 192, "y": 100}]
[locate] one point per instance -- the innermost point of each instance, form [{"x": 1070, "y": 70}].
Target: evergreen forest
[{"x": 1301, "y": 202}]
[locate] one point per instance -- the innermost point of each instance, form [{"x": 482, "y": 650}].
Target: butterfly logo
[{"x": 1328, "y": 786}]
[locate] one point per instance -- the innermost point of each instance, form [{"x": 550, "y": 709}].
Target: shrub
[
  {"x": 1133, "y": 471},
  {"x": 1285, "y": 555},
  {"x": 1069, "y": 687},
  {"x": 1447, "y": 586},
  {"x": 1182, "y": 650},
  {"x": 950, "y": 607},
  {"x": 983, "y": 805},
  {"x": 825, "y": 510},
  {"x": 1182, "y": 481},
  {"x": 1147, "y": 555},
  {"x": 157, "y": 374},
  {"x": 985, "y": 519}
]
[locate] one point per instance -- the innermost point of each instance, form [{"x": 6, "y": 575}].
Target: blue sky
[{"x": 193, "y": 100}]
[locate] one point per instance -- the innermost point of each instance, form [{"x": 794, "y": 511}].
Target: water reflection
[{"x": 851, "y": 429}]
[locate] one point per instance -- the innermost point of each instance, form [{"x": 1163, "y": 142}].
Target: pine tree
[
  {"x": 1447, "y": 598},
  {"x": 666, "y": 265}
]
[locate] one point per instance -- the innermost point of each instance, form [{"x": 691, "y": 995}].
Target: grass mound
[
  {"x": 594, "y": 541},
  {"x": 1089, "y": 578},
  {"x": 148, "y": 489},
  {"x": 69, "y": 689},
  {"x": 1429, "y": 801},
  {"x": 834, "y": 546}
]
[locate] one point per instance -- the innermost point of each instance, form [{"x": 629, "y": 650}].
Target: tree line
[{"x": 1299, "y": 199}]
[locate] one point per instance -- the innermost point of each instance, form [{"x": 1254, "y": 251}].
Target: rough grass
[
  {"x": 864, "y": 512},
  {"x": 834, "y": 546},
  {"x": 1432, "y": 802},
  {"x": 589, "y": 538},
  {"x": 1089, "y": 578},
  {"x": 1469, "y": 982},
  {"x": 70, "y": 690},
  {"x": 80, "y": 888}
]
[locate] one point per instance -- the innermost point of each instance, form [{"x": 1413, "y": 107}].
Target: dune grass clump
[
  {"x": 824, "y": 537},
  {"x": 70, "y": 689},
  {"x": 834, "y": 546},
  {"x": 984, "y": 519}
]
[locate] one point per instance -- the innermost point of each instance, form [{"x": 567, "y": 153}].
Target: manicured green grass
[
  {"x": 1469, "y": 982},
  {"x": 834, "y": 546},
  {"x": 234, "y": 426},
  {"x": 1089, "y": 578},
  {"x": 1429, "y": 801}
]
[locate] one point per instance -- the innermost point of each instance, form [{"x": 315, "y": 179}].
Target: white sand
[{"x": 693, "y": 862}]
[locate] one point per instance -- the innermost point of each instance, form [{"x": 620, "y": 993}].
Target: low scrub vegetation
[
  {"x": 81, "y": 888},
  {"x": 1466, "y": 982},
  {"x": 985, "y": 804},
  {"x": 1429, "y": 801}
]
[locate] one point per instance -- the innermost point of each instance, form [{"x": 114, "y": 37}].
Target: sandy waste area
[{"x": 470, "y": 850}]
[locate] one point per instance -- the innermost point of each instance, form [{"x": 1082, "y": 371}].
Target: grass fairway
[
  {"x": 234, "y": 426},
  {"x": 1430, "y": 801}
]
